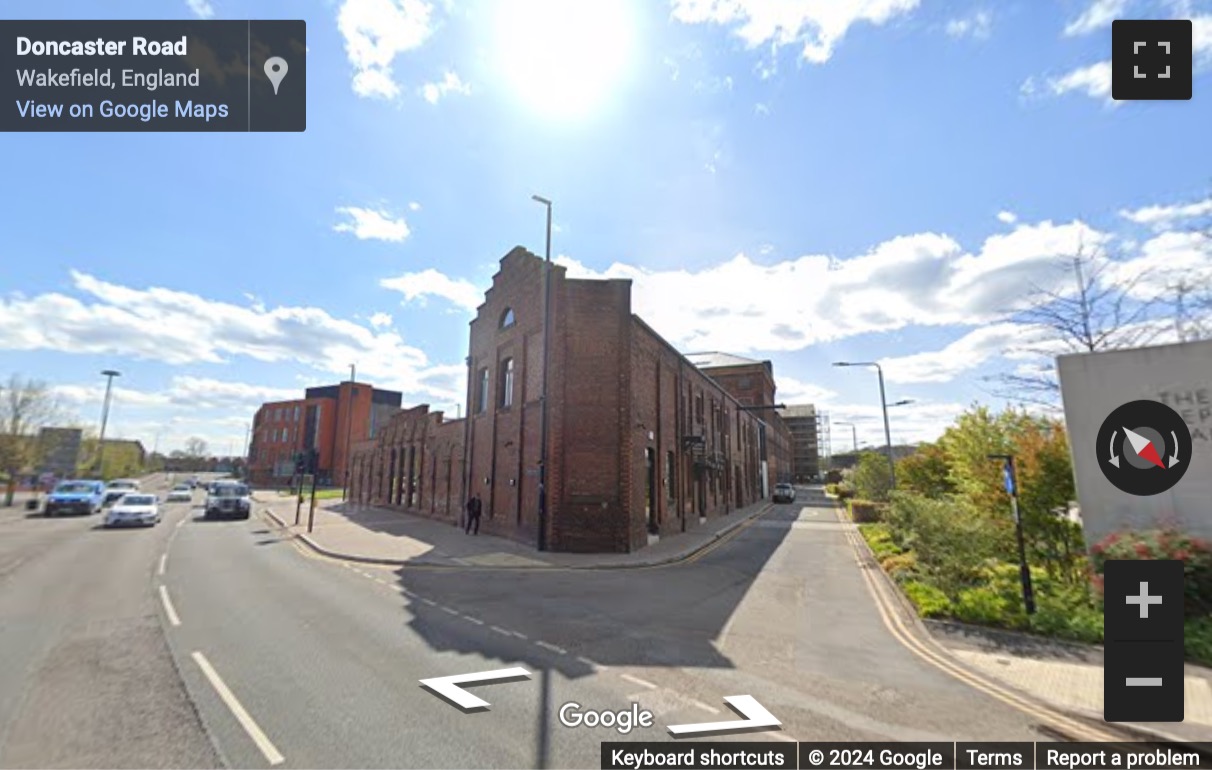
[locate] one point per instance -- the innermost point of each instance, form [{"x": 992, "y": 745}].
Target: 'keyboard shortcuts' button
[
  {"x": 1151, "y": 59},
  {"x": 1143, "y": 601},
  {"x": 1143, "y": 681}
]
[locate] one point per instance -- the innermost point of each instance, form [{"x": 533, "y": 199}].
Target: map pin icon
[{"x": 275, "y": 70}]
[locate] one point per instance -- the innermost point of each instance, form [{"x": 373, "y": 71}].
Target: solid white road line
[
  {"x": 163, "y": 560},
  {"x": 168, "y": 607},
  {"x": 246, "y": 721}
]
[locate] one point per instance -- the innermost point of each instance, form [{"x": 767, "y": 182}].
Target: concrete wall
[{"x": 1095, "y": 384}]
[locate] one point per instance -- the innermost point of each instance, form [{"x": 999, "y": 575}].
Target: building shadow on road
[{"x": 572, "y": 620}]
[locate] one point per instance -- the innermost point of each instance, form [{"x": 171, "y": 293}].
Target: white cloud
[
  {"x": 1165, "y": 217},
  {"x": 979, "y": 25},
  {"x": 969, "y": 352},
  {"x": 793, "y": 391},
  {"x": 380, "y": 320},
  {"x": 1099, "y": 14},
  {"x": 1093, "y": 80},
  {"x": 178, "y": 327},
  {"x": 449, "y": 84},
  {"x": 1007, "y": 217},
  {"x": 910, "y": 424},
  {"x": 201, "y": 8},
  {"x": 816, "y": 25},
  {"x": 431, "y": 283},
  {"x": 376, "y": 32},
  {"x": 925, "y": 279},
  {"x": 414, "y": 206},
  {"x": 1166, "y": 260},
  {"x": 372, "y": 224}
]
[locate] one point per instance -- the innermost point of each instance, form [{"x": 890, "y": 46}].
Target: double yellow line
[{"x": 891, "y": 615}]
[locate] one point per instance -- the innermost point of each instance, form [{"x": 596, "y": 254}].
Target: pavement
[{"x": 385, "y": 536}]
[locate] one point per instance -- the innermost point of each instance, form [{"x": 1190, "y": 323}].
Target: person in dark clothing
[{"x": 474, "y": 509}]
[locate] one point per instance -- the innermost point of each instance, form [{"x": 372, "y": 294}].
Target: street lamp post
[
  {"x": 853, "y": 435},
  {"x": 884, "y": 407},
  {"x": 542, "y": 544},
  {"x": 109, "y": 375},
  {"x": 1024, "y": 571},
  {"x": 349, "y": 418}
]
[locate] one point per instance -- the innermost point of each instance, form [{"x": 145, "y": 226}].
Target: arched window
[
  {"x": 507, "y": 383},
  {"x": 507, "y": 318}
]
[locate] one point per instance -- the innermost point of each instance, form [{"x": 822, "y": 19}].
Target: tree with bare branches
[
  {"x": 26, "y": 407},
  {"x": 1102, "y": 310}
]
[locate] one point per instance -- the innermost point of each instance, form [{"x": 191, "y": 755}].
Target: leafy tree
[
  {"x": 872, "y": 478},
  {"x": 925, "y": 473},
  {"x": 26, "y": 407},
  {"x": 1045, "y": 490},
  {"x": 967, "y": 444}
]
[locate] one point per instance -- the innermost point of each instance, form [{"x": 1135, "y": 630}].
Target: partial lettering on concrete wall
[{"x": 1093, "y": 385}]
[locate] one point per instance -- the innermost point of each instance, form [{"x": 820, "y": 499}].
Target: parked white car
[
  {"x": 182, "y": 493},
  {"x": 135, "y": 509}
]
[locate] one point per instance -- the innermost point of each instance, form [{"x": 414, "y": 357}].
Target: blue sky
[{"x": 804, "y": 181}]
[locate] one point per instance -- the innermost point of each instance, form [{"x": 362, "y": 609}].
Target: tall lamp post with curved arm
[{"x": 884, "y": 406}]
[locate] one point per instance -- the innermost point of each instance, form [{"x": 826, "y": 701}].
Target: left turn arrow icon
[{"x": 450, "y": 689}]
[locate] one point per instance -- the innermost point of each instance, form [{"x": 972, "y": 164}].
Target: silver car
[
  {"x": 182, "y": 493},
  {"x": 135, "y": 509}
]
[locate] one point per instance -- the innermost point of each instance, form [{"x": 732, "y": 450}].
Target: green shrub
[
  {"x": 831, "y": 489},
  {"x": 864, "y": 511},
  {"x": 871, "y": 477},
  {"x": 1067, "y": 612},
  {"x": 844, "y": 492},
  {"x": 1195, "y": 553},
  {"x": 1199, "y": 640},
  {"x": 929, "y": 601},
  {"x": 952, "y": 541},
  {"x": 987, "y": 606},
  {"x": 901, "y": 566},
  {"x": 880, "y": 540}
]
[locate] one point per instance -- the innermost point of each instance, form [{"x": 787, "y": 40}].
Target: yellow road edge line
[{"x": 896, "y": 627}]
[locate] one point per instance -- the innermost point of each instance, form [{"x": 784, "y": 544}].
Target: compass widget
[{"x": 1144, "y": 448}]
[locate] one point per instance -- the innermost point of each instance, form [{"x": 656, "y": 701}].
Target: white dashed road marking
[
  {"x": 637, "y": 680},
  {"x": 501, "y": 631},
  {"x": 168, "y": 607},
  {"x": 246, "y": 721},
  {"x": 163, "y": 561},
  {"x": 551, "y": 647},
  {"x": 470, "y": 619}
]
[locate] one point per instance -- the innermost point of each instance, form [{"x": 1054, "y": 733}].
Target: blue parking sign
[{"x": 1009, "y": 479}]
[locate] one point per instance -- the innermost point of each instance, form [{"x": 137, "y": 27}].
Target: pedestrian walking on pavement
[{"x": 474, "y": 509}]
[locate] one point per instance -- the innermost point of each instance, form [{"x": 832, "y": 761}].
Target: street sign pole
[
  {"x": 1024, "y": 571},
  {"x": 311, "y": 513}
]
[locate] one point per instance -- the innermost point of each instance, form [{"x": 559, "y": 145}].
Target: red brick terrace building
[
  {"x": 643, "y": 443},
  {"x": 319, "y": 422}
]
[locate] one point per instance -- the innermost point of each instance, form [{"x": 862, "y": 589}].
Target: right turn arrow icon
[{"x": 756, "y": 718}]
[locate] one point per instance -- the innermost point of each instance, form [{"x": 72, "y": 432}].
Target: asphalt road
[{"x": 258, "y": 654}]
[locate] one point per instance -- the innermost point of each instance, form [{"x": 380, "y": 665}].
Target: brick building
[
  {"x": 642, "y": 442},
  {"x": 319, "y": 422}
]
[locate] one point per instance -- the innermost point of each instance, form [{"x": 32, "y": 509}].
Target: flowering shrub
[{"x": 1195, "y": 553}]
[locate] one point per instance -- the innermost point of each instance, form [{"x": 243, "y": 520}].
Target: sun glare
[{"x": 563, "y": 58}]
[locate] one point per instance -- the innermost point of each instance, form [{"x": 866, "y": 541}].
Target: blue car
[{"x": 76, "y": 497}]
